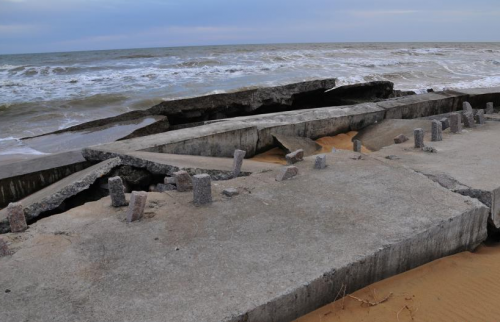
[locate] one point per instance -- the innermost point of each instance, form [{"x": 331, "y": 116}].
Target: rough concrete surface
[
  {"x": 279, "y": 250},
  {"x": 471, "y": 158},
  {"x": 294, "y": 143},
  {"x": 52, "y": 196}
]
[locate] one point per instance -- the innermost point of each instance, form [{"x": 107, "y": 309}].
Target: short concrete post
[
  {"x": 445, "y": 123},
  {"x": 287, "y": 173},
  {"x": 294, "y": 157},
  {"x": 137, "y": 205},
  {"x": 183, "y": 181},
  {"x": 455, "y": 123},
  {"x": 480, "y": 117},
  {"x": 117, "y": 192},
  {"x": 418, "y": 135},
  {"x": 489, "y": 108},
  {"x": 202, "y": 189},
  {"x": 356, "y": 146},
  {"x": 239, "y": 155},
  {"x": 469, "y": 119},
  {"x": 467, "y": 107},
  {"x": 320, "y": 162},
  {"x": 437, "y": 131},
  {"x": 17, "y": 220}
]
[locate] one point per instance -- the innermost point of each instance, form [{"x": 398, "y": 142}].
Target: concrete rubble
[
  {"x": 117, "y": 192},
  {"x": 295, "y": 156},
  {"x": 17, "y": 220},
  {"x": 202, "y": 189},
  {"x": 137, "y": 204}
]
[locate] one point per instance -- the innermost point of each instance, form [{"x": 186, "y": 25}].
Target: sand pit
[
  {"x": 461, "y": 287},
  {"x": 341, "y": 141}
]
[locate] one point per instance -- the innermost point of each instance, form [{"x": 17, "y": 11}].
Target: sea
[{"x": 41, "y": 93}]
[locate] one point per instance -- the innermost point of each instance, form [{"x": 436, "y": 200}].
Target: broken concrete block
[
  {"x": 480, "y": 117},
  {"x": 183, "y": 181},
  {"x": 230, "y": 192},
  {"x": 161, "y": 187},
  {"x": 356, "y": 146},
  {"x": 469, "y": 119},
  {"x": 169, "y": 180},
  {"x": 294, "y": 143},
  {"x": 392, "y": 157},
  {"x": 334, "y": 150},
  {"x": 320, "y": 162},
  {"x": 400, "y": 139},
  {"x": 137, "y": 205},
  {"x": 202, "y": 189},
  {"x": 467, "y": 107},
  {"x": 437, "y": 131},
  {"x": 239, "y": 155},
  {"x": 287, "y": 172},
  {"x": 445, "y": 123},
  {"x": 429, "y": 149},
  {"x": 418, "y": 135},
  {"x": 117, "y": 192},
  {"x": 489, "y": 108},
  {"x": 455, "y": 123},
  {"x": 295, "y": 157},
  {"x": 16, "y": 217}
]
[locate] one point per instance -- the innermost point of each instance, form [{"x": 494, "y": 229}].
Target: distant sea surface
[{"x": 40, "y": 93}]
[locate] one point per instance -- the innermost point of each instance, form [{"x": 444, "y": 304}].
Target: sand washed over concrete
[
  {"x": 462, "y": 287},
  {"x": 341, "y": 141}
]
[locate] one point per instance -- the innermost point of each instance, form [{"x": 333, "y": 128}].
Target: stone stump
[
  {"x": 294, "y": 157},
  {"x": 437, "y": 131},
  {"x": 356, "y": 146},
  {"x": 489, "y": 108},
  {"x": 455, "y": 123},
  {"x": 183, "y": 181},
  {"x": 480, "y": 117},
  {"x": 469, "y": 120},
  {"x": 230, "y": 192},
  {"x": 117, "y": 192},
  {"x": 17, "y": 220},
  {"x": 137, "y": 204},
  {"x": 287, "y": 173},
  {"x": 239, "y": 155},
  {"x": 467, "y": 107},
  {"x": 445, "y": 123},
  {"x": 202, "y": 189},
  {"x": 418, "y": 135},
  {"x": 320, "y": 162}
]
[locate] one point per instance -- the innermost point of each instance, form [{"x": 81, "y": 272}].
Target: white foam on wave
[{"x": 11, "y": 145}]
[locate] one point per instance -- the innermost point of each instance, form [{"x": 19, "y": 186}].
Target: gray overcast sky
[{"x": 66, "y": 25}]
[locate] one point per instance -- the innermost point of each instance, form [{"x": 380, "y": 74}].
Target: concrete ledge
[{"x": 273, "y": 253}]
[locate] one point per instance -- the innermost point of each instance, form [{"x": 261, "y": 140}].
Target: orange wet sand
[
  {"x": 461, "y": 288},
  {"x": 341, "y": 141}
]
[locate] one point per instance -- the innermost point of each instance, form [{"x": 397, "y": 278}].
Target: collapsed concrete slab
[
  {"x": 377, "y": 136},
  {"x": 466, "y": 163},
  {"x": 20, "y": 179},
  {"x": 52, "y": 196},
  {"x": 278, "y": 251},
  {"x": 294, "y": 143}
]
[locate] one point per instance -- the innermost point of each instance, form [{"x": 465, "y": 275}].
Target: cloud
[{"x": 377, "y": 13}]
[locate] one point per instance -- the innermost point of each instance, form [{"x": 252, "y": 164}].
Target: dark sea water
[{"x": 40, "y": 93}]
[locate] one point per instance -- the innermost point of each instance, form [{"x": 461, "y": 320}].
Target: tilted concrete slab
[
  {"x": 19, "y": 179},
  {"x": 72, "y": 140},
  {"x": 377, "y": 136},
  {"x": 52, "y": 196},
  {"x": 294, "y": 143},
  {"x": 166, "y": 164},
  {"x": 467, "y": 163},
  {"x": 273, "y": 253}
]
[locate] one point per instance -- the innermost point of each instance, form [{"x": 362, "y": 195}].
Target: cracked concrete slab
[
  {"x": 467, "y": 163},
  {"x": 52, "y": 196},
  {"x": 272, "y": 253}
]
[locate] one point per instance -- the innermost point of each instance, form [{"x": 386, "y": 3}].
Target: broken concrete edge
[
  {"x": 70, "y": 186},
  {"x": 20, "y": 179},
  {"x": 157, "y": 168},
  {"x": 387, "y": 262},
  {"x": 254, "y": 134}
]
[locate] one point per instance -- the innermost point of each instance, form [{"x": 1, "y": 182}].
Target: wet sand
[
  {"x": 341, "y": 141},
  {"x": 462, "y": 287}
]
